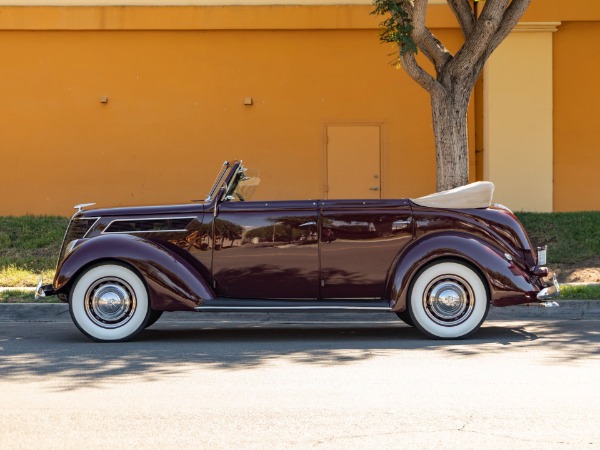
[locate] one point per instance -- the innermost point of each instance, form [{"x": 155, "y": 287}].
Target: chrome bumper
[
  {"x": 43, "y": 290},
  {"x": 549, "y": 292}
]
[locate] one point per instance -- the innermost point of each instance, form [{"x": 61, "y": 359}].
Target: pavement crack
[
  {"x": 356, "y": 436},
  {"x": 515, "y": 438}
]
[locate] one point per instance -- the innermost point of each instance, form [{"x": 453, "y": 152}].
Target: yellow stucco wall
[
  {"x": 576, "y": 117},
  {"x": 175, "y": 112},
  {"x": 518, "y": 119},
  {"x": 176, "y": 77}
]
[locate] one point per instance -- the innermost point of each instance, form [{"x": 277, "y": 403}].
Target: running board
[{"x": 262, "y": 305}]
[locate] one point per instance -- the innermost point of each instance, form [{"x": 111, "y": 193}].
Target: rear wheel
[
  {"x": 448, "y": 300},
  {"x": 405, "y": 317},
  {"x": 109, "y": 302}
]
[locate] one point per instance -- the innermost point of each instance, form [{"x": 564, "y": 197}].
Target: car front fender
[
  {"x": 174, "y": 282},
  {"x": 508, "y": 283}
]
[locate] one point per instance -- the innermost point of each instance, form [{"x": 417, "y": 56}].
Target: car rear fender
[
  {"x": 507, "y": 283},
  {"x": 174, "y": 282}
]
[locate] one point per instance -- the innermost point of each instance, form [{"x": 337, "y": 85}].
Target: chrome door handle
[
  {"x": 401, "y": 224},
  {"x": 374, "y": 188}
]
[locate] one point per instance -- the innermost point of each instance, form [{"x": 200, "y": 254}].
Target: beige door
[{"x": 353, "y": 162}]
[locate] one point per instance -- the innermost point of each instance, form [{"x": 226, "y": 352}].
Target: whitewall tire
[
  {"x": 448, "y": 300},
  {"x": 109, "y": 302}
]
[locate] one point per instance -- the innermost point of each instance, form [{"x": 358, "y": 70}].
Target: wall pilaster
[{"x": 517, "y": 118}]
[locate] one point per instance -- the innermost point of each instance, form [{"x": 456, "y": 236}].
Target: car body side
[{"x": 333, "y": 249}]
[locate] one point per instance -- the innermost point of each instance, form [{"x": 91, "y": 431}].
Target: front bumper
[{"x": 43, "y": 290}]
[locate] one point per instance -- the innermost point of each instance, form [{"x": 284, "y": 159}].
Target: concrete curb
[{"x": 59, "y": 312}]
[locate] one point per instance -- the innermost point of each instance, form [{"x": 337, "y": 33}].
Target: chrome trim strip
[
  {"x": 149, "y": 231},
  {"x": 91, "y": 226},
  {"x": 147, "y": 218},
  {"x": 261, "y": 308},
  {"x": 62, "y": 245}
]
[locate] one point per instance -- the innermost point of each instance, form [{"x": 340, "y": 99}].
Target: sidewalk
[{"x": 58, "y": 312}]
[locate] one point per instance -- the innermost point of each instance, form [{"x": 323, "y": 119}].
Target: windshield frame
[
  {"x": 235, "y": 188},
  {"x": 225, "y": 174}
]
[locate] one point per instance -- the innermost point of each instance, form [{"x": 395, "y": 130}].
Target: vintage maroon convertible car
[{"x": 438, "y": 262}]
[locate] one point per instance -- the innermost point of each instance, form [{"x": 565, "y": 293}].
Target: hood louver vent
[{"x": 148, "y": 225}]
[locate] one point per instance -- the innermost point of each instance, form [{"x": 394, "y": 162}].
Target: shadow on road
[{"x": 170, "y": 348}]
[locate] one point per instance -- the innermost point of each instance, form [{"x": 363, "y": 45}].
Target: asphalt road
[{"x": 311, "y": 385}]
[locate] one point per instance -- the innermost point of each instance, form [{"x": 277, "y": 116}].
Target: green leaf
[{"x": 397, "y": 26}]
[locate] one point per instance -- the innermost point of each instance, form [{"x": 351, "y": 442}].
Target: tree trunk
[
  {"x": 455, "y": 74},
  {"x": 449, "y": 108}
]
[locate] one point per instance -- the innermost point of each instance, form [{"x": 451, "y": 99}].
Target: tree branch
[
  {"x": 431, "y": 47},
  {"x": 465, "y": 15},
  {"x": 417, "y": 73},
  {"x": 511, "y": 18},
  {"x": 476, "y": 45}
]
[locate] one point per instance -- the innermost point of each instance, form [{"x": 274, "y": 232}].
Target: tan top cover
[{"x": 474, "y": 195}]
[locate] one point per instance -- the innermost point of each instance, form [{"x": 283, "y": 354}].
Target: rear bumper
[{"x": 549, "y": 292}]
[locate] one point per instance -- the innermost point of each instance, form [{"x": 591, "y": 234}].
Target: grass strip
[
  {"x": 13, "y": 276},
  {"x": 571, "y": 237},
  {"x": 29, "y": 246},
  {"x": 20, "y": 296},
  {"x": 580, "y": 292}
]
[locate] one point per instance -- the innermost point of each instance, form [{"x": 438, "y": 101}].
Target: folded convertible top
[{"x": 474, "y": 195}]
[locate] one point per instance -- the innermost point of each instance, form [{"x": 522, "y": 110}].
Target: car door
[
  {"x": 266, "y": 250},
  {"x": 359, "y": 241}
]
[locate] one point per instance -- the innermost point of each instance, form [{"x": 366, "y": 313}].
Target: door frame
[{"x": 382, "y": 155}]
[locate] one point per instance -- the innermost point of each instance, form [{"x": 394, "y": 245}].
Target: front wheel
[
  {"x": 448, "y": 300},
  {"x": 154, "y": 316},
  {"x": 109, "y": 302}
]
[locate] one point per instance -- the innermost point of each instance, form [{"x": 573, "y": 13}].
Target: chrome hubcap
[
  {"x": 448, "y": 300},
  {"x": 110, "y": 302}
]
